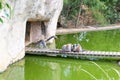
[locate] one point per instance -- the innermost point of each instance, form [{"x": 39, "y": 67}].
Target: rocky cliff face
[{"x": 12, "y": 31}]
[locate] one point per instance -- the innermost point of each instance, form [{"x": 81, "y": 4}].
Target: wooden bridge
[{"x": 82, "y": 54}]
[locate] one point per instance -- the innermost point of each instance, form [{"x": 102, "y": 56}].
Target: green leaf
[
  {"x": 8, "y": 6},
  {"x": 0, "y": 5},
  {"x": 1, "y": 20}
]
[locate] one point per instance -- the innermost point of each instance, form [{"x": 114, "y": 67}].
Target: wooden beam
[{"x": 88, "y": 28}]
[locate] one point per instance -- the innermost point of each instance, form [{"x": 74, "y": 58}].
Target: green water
[
  {"x": 56, "y": 68},
  {"x": 14, "y": 72},
  {"x": 51, "y": 68},
  {"x": 47, "y": 68},
  {"x": 100, "y": 40}
]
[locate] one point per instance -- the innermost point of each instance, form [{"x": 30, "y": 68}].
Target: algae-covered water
[
  {"x": 47, "y": 68},
  {"x": 101, "y": 40},
  {"x": 56, "y": 68},
  {"x": 51, "y": 68}
]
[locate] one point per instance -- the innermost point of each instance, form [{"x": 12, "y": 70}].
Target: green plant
[
  {"x": 111, "y": 12},
  {"x": 102, "y": 11},
  {"x": 97, "y": 7},
  {"x": 3, "y": 7},
  {"x": 71, "y": 8}
]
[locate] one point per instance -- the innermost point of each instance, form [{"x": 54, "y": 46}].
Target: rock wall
[{"x": 12, "y": 31}]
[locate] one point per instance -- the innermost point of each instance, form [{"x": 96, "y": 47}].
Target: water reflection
[
  {"x": 82, "y": 36},
  {"x": 14, "y": 72},
  {"x": 47, "y": 68}
]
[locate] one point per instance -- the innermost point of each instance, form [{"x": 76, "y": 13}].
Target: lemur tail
[{"x": 51, "y": 38}]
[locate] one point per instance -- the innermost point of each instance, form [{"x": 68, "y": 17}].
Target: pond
[
  {"x": 99, "y": 41},
  {"x": 47, "y": 68},
  {"x": 56, "y": 68}
]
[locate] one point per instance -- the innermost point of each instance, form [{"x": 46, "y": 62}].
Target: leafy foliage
[
  {"x": 102, "y": 11},
  {"x": 4, "y": 6},
  {"x": 0, "y": 5},
  {"x": 1, "y": 20}
]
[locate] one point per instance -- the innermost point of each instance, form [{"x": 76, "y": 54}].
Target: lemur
[
  {"x": 42, "y": 43},
  {"x": 73, "y": 48}
]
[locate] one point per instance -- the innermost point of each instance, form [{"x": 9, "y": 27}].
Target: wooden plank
[{"x": 55, "y": 52}]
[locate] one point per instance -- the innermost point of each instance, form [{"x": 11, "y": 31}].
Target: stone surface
[
  {"x": 12, "y": 31},
  {"x": 35, "y": 32}
]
